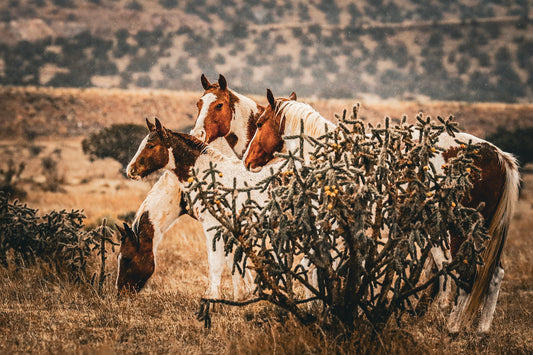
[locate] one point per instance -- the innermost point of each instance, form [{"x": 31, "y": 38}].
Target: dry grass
[{"x": 42, "y": 313}]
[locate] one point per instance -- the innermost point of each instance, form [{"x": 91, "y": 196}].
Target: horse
[
  {"x": 138, "y": 245},
  {"x": 179, "y": 153},
  {"x": 225, "y": 113},
  {"x": 265, "y": 144},
  {"x": 496, "y": 186}
]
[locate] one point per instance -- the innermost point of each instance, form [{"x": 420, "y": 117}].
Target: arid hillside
[
  {"x": 30, "y": 112},
  {"x": 403, "y": 49}
]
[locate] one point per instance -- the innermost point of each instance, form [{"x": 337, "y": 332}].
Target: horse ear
[
  {"x": 162, "y": 131},
  {"x": 270, "y": 98},
  {"x": 222, "y": 82},
  {"x": 150, "y": 125},
  {"x": 158, "y": 126},
  {"x": 205, "y": 83},
  {"x": 131, "y": 234},
  {"x": 292, "y": 96},
  {"x": 122, "y": 232}
]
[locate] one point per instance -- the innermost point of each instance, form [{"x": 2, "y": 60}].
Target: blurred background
[{"x": 404, "y": 49}]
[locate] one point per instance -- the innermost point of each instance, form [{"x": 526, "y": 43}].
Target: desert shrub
[
  {"x": 518, "y": 141},
  {"x": 56, "y": 238},
  {"x": 365, "y": 212},
  {"x": 119, "y": 142},
  {"x": 10, "y": 179},
  {"x": 53, "y": 178},
  {"x": 64, "y": 3},
  {"x": 168, "y": 4},
  {"x": 330, "y": 9},
  {"x": 463, "y": 64},
  {"x": 143, "y": 63},
  {"x": 303, "y": 12},
  {"x": 134, "y": 5},
  {"x": 144, "y": 81}
]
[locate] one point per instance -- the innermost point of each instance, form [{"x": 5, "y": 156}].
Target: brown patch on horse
[
  {"x": 137, "y": 262},
  {"x": 232, "y": 139},
  {"x": 252, "y": 125},
  {"x": 185, "y": 150},
  {"x": 488, "y": 185}
]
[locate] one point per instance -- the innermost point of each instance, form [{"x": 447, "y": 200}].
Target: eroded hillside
[{"x": 328, "y": 48}]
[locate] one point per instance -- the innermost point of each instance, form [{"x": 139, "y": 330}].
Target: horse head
[
  {"x": 165, "y": 149},
  {"x": 215, "y": 110},
  {"x": 268, "y": 138},
  {"x": 153, "y": 152},
  {"x": 136, "y": 261}
]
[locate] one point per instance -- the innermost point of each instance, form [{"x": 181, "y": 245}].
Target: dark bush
[
  {"x": 168, "y": 4},
  {"x": 518, "y": 141},
  {"x": 10, "y": 179},
  {"x": 119, "y": 142}
]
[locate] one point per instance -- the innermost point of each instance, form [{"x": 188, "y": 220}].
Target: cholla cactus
[
  {"x": 363, "y": 215},
  {"x": 56, "y": 238}
]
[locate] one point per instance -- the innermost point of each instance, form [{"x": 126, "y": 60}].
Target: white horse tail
[{"x": 497, "y": 230}]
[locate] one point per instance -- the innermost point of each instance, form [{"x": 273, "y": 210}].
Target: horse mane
[
  {"x": 191, "y": 141},
  {"x": 293, "y": 112}
]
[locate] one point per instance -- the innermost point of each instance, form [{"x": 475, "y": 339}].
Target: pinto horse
[
  {"x": 224, "y": 113},
  {"x": 288, "y": 122},
  {"x": 179, "y": 153},
  {"x": 496, "y": 186},
  {"x": 136, "y": 259}
]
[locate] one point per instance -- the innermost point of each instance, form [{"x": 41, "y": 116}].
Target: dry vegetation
[
  {"x": 30, "y": 112},
  {"x": 42, "y": 313}
]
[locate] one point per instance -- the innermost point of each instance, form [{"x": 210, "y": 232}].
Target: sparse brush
[{"x": 57, "y": 239}]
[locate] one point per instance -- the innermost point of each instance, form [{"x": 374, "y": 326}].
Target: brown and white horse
[
  {"x": 137, "y": 255},
  {"x": 179, "y": 153},
  {"x": 261, "y": 152},
  {"x": 225, "y": 113},
  {"x": 496, "y": 186}
]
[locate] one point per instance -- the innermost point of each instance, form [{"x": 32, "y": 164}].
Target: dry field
[{"x": 40, "y": 312}]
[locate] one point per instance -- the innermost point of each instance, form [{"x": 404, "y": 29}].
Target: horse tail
[{"x": 497, "y": 230}]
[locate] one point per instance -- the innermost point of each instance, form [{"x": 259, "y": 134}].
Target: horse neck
[
  {"x": 243, "y": 111},
  {"x": 227, "y": 165},
  {"x": 293, "y": 113},
  {"x": 231, "y": 169},
  {"x": 163, "y": 205}
]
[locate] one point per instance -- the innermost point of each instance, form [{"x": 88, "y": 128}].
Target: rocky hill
[{"x": 404, "y": 49}]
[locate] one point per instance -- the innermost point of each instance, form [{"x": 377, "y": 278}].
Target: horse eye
[
  {"x": 219, "y": 106},
  {"x": 259, "y": 125},
  {"x": 150, "y": 146}
]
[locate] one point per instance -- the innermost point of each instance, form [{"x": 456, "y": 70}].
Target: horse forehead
[{"x": 205, "y": 105}]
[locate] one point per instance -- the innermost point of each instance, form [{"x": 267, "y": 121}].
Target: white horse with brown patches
[
  {"x": 138, "y": 245},
  {"x": 496, "y": 186},
  {"x": 224, "y": 113},
  {"x": 179, "y": 153}
]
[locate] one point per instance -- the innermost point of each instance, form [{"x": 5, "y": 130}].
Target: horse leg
[
  {"x": 491, "y": 298},
  {"x": 313, "y": 280},
  {"x": 456, "y": 316},
  {"x": 439, "y": 257},
  {"x": 215, "y": 260},
  {"x": 242, "y": 285}
]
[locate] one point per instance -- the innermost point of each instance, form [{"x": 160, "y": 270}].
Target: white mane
[{"x": 292, "y": 113}]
